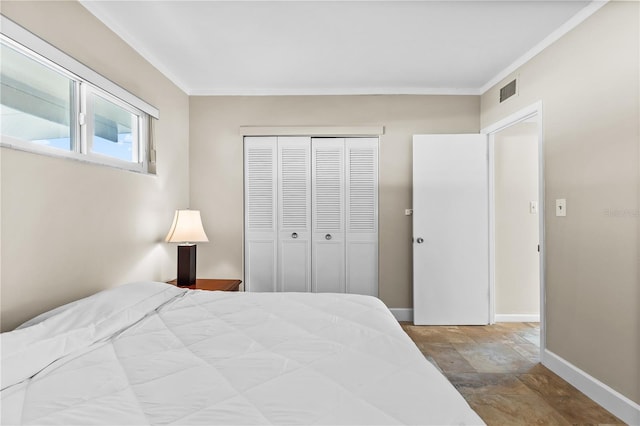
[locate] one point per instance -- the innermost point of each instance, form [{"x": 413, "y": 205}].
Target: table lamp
[{"x": 186, "y": 230}]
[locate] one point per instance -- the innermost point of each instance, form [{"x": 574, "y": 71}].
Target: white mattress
[{"x": 150, "y": 353}]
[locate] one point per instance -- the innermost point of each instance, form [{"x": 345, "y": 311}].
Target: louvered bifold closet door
[
  {"x": 260, "y": 172},
  {"x": 362, "y": 215},
  {"x": 328, "y": 215},
  {"x": 294, "y": 214}
]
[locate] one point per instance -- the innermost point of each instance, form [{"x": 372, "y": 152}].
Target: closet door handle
[
  {"x": 294, "y": 235},
  {"x": 328, "y": 237}
]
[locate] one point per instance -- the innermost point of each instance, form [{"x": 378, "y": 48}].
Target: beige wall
[
  {"x": 70, "y": 229},
  {"x": 517, "y": 287},
  {"x": 216, "y": 166},
  {"x": 588, "y": 82}
]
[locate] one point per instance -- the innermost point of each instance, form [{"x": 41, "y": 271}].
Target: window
[
  {"x": 52, "y": 104},
  {"x": 113, "y": 128},
  {"x": 35, "y": 101}
]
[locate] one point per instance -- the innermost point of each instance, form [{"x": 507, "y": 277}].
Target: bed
[{"x": 152, "y": 353}]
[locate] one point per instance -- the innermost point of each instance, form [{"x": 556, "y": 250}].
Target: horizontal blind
[
  {"x": 295, "y": 169},
  {"x": 328, "y": 186},
  {"x": 260, "y": 164},
  {"x": 362, "y": 189}
]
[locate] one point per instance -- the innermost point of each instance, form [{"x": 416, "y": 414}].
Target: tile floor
[{"x": 496, "y": 370}]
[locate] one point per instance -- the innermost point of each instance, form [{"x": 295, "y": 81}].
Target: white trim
[
  {"x": 470, "y": 91},
  {"x": 30, "y": 147},
  {"x": 612, "y": 400},
  {"x": 518, "y": 116},
  {"x": 402, "y": 314},
  {"x": 95, "y": 9},
  {"x": 534, "y": 110},
  {"x": 340, "y": 131},
  {"x": 575, "y": 20},
  {"x": 491, "y": 169},
  {"x": 517, "y": 317},
  {"x": 57, "y": 56}
]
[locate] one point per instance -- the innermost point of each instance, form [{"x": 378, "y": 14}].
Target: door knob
[
  {"x": 294, "y": 235},
  {"x": 327, "y": 237},
  {"x": 420, "y": 240}
]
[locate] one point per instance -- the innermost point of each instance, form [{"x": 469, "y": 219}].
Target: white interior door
[
  {"x": 450, "y": 229},
  {"x": 328, "y": 240},
  {"x": 294, "y": 214},
  {"x": 362, "y": 216},
  {"x": 260, "y": 171}
]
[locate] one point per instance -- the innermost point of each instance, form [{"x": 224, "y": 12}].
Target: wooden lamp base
[{"x": 186, "y": 265}]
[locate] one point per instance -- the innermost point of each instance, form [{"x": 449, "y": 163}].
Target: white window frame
[
  {"x": 87, "y": 83},
  {"x": 140, "y": 142}
]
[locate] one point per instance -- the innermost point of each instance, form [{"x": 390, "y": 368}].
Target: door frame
[{"x": 529, "y": 112}]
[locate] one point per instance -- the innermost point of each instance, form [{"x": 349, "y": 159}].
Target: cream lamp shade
[{"x": 186, "y": 228}]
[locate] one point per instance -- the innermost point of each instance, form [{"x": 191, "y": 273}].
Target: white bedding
[{"x": 150, "y": 353}]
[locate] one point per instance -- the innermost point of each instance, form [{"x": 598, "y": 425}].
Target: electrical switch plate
[
  {"x": 533, "y": 207},
  {"x": 561, "y": 207},
  {"x": 408, "y": 212}
]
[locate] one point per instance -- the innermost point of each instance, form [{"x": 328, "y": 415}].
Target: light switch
[
  {"x": 533, "y": 207},
  {"x": 408, "y": 212},
  {"x": 561, "y": 207}
]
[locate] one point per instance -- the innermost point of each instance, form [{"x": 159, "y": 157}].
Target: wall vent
[{"x": 508, "y": 91}]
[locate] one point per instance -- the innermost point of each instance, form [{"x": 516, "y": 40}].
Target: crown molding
[
  {"x": 336, "y": 91},
  {"x": 576, "y": 20},
  {"x": 94, "y": 8}
]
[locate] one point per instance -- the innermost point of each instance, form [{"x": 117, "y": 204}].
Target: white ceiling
[{"x": 337, "y": 47}]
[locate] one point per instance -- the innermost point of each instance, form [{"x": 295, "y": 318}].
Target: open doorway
[
  {"x": 516, "y": 213},
  {"x": 517, "y": 274}
]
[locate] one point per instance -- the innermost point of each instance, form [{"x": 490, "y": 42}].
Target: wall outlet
[
  {"x": 408, "y": 212},
  {"x": 533, "y": 207},
  {"x": 561, "y": 207}
]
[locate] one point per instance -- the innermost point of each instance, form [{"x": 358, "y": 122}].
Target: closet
[{"x": 311, "y": 214}]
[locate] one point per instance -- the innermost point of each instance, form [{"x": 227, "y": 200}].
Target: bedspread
[{"x": 208, "y": 357}]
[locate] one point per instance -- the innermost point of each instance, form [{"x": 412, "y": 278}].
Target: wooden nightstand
[{"x": 212, "y": 284}]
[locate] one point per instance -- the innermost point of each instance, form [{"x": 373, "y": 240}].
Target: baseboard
[
  {"x": 402, "y": 314},
  {"x": 618, "y": 404},
  {"x": 517, "y": 318},
  {"x": 406, "y": 314}
]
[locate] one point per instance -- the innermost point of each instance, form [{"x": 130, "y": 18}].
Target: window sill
[{"x": 96, "y": 159}]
